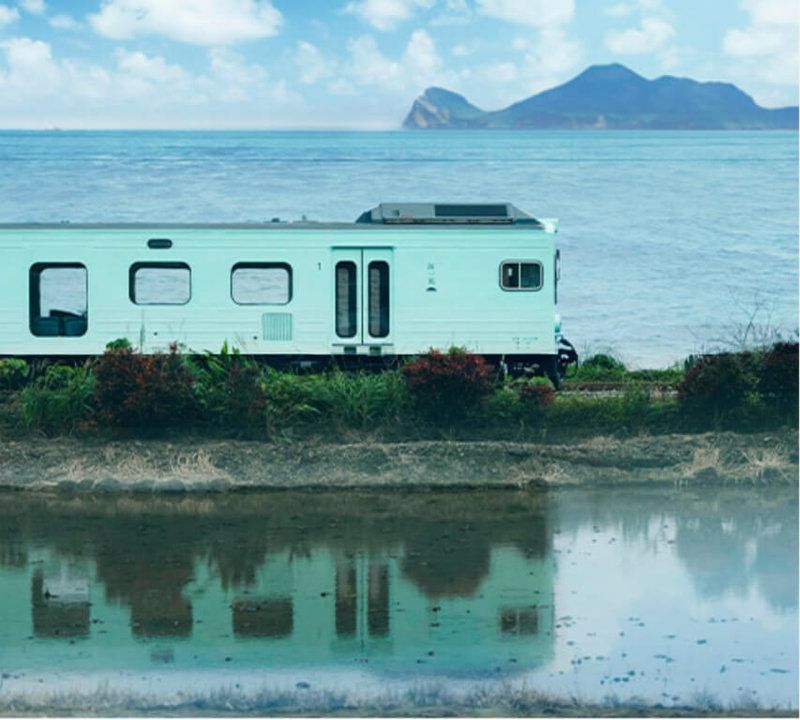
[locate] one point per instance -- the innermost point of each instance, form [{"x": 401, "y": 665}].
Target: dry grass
[{"x": 423, "y": 700}]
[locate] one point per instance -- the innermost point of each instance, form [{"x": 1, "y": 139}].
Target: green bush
[
  {"x": 600, "y": 368},
  {"x": 447, "y": 388},
  {"x": 133, "y": 390},
  {"x": 13, "y": 373},
  {"x": 229, "y": 390},
  {"x": 58, "y": 401}
]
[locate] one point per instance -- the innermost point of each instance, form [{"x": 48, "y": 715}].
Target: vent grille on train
[{"x": 276, "y": 326}]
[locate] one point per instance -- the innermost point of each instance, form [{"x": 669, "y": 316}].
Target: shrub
[
  {"x": 13, "y": 373},
  {"x": 58, "y": 400},
  {"x": 229, "y": 389},
  {"x": 447, "y": 388},
  {"x": 600, "y": 367},
  {"x": 363, "y": 400},
  {"x": 720, "y": 389},
  {"x": 144, "y": 390},
  {"x": 537, "y": 393},
  {"x": 778, "y": 379}
]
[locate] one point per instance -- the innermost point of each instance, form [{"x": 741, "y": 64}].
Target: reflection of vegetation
[
  {"x": 727, "y": 540},
  {"x": 146, "y": 550}
]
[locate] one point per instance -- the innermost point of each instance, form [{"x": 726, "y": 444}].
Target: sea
[{"x": 673, "y": 243}]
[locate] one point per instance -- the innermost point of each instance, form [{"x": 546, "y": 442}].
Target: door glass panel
[
  {"x": 379, "y": 299},
  {"x": 346, "y": 325}
]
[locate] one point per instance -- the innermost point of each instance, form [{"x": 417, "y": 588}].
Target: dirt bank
[{"x": 218, "y": 465}]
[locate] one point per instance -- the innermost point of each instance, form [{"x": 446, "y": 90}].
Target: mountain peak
[
  {"x": 440, "y": 108},
  {"x": 608, "y": 96}
]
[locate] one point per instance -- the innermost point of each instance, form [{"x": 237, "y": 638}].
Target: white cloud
[
  {"x": 536, "y": 13},
  {"x": 31, "y": 69},
  {"x": 36, "y": 7},
  {"x": 385, "y": 14},
  {"x": 367, "y": 64},
  {"x": 619, "y": 10},
  {"x": 462, "y": 50},
  {"x": 651, "y": 35},
  {"x": 313, "y": 66},
  {"x": 418, "y": 67},
  {"x": 140, "y": 90},
  {"x": 63, "y": 22},
  {"x": 200, "y": 22},
  {"x": 767, "y": 47},
  {"x": 8, "y": 15},
  {"x": 420, "y": 55}
]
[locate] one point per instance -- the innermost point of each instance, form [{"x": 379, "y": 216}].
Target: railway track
[{"x": 617, "y": 389}]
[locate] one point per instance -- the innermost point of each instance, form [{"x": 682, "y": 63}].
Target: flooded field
[{"x": 686, "y": 597}]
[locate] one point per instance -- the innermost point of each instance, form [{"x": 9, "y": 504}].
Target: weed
[{"x": 58, "y": 401}]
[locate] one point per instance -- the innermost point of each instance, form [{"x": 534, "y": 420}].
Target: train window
[
  {"x": 167, "y": 283},
  {"x": 261, "y": 283},
  {"x": 378, "y": 300},
  {"x": 520, "y": 275},
  {"x": 346, "y": 309},
  {"x": 58, "y": 299}
]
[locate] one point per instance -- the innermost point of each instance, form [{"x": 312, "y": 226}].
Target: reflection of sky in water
[{"x": 660, "y": 595}]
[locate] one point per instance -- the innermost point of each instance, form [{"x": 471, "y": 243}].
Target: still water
[{"x": 661, "y": 595}]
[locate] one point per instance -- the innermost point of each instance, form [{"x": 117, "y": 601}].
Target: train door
[{"x": 362, "y": 296}]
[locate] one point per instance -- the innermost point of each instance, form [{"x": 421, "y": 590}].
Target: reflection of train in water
[
  {"x": 404, "y": 278},
  {"x": 471, "y": 591}
]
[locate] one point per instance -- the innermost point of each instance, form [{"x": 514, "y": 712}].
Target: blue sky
[{"x": 359, "y": 63}]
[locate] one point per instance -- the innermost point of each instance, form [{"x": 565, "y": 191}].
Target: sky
[{"x": 359, "y": 64}]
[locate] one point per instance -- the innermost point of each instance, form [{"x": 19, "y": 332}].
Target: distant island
[{"x": 608, "y": 97}]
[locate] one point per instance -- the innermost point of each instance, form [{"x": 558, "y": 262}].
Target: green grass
[{"x": 235, "y": 397}]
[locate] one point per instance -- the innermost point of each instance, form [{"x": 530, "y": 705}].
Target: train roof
[{"x": 388, "y": 215}]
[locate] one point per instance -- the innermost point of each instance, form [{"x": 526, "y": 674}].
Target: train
[{"x": 403, "y": 279}]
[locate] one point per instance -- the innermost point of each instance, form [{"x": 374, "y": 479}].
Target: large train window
[
  {"x": 378, "y": 298},
  {"x": 346, "y": 308},
  {"x": 520, "y": 275},
  {"x": 160, "y": 283},
  {"x": 58, "y": 299},
  {"x": 261, "y": 283}
]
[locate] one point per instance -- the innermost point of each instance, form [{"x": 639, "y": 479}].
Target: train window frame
[
  {"x": 58, "y": 321},
  {"x": 155, "y": 265},
  {"x": 265, "y": 266},
  {"x": 519, "y": 263}
]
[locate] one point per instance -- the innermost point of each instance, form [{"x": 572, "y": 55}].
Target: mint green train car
[{"x": 404, "y": 278}]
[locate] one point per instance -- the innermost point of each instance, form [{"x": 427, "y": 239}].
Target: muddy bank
[{"x": 218, "y": 465}]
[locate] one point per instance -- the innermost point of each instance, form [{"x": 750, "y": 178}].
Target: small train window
[
  {"x": 58, "y": 299},
  {"x": 378, "y": 299},
  {"x": 167, "y": 283},
  {"x": 261, "y": 283},
  {"x": 346, "y": 308},
  {"x": 520, "y": 275}
]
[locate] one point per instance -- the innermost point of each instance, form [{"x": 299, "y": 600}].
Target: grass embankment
[
  {"x": 450, "y": 396},
  {"x": 178, "y": 422}
]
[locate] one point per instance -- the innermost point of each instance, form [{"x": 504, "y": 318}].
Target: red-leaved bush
[
  {"x": 536, "y": 395},
  {"x": 446, "y": 387},
  {"x": 778, "y": 376},
  {"x": 135, "y": 390}
]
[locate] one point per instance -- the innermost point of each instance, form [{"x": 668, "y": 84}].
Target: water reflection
[{"x": 465, "y": 584}]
